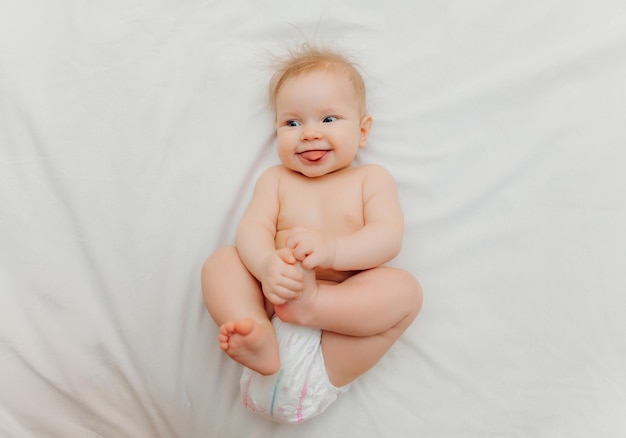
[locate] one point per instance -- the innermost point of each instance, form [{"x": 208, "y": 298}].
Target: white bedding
[{"x": 131, "y": 134}]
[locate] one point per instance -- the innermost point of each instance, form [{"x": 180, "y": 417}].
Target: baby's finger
[
  {"x": 285, "y": 294},
  {"x": 294, "y": 273},
  {"x": 287, "y": 287},
  {"x": 310, "y": 262},
  {"x": 286, "y": 255},
  {"x": 278, "y": 296},
  {"x": 303, "y": 249},
  {"x": 274, "y": 299}
]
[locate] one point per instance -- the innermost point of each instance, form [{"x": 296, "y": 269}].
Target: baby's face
[{"x": 318, "y": 124}]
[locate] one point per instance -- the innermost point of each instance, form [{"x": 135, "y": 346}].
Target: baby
[{"x": 305, "y": 301}]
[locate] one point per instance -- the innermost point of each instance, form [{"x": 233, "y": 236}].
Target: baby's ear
[{"x": 366, "y": 126}]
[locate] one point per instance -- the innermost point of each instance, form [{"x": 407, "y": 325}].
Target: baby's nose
[{"x": 310, "y": 132}]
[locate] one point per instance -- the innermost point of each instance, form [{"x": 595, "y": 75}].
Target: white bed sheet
[{"x": 130, "y": 137}]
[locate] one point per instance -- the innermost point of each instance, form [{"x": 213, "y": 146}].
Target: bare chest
[{"x": 333, "y": 205}]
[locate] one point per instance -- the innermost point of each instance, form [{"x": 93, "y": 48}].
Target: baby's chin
[
  {"x": 315, "y": 171},
  {"x": 309, "y": 173}
]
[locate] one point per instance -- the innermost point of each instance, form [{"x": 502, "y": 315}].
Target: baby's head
[
  {"x": 308, "y": 59},
  {"x": 318, "y": 98}
]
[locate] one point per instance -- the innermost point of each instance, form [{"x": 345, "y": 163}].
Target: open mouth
[{"x": 313, "y": 155}]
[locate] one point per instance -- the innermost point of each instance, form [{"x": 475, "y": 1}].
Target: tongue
[{"x": 313, "y": 155}]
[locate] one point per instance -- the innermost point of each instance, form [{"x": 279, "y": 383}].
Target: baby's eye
[
  {"x": 292, "y": 123},
  {"x": 329, "y": 119}
]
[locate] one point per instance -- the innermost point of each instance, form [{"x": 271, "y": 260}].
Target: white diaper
[{"x": 300, "y": 390}]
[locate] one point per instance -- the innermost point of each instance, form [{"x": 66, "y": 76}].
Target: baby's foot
[
  {"x": 300, "y": 311},
  {"x": 252, "y": 344}
]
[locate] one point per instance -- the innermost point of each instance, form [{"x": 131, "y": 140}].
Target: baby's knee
[
  {"x": 413, "y": 291},
  {"x": 224, "y": 254}
]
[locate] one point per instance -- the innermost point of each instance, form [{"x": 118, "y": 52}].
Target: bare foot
[
  {"x": 299, "y": 311},
  {"x": 252, "y": 344}
]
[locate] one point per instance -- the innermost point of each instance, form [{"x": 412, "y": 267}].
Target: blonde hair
[{"x": 308, "y": 58}]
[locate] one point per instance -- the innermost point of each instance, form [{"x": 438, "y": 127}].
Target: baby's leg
[
  {"x": 368, "y": 303},
  {"x": 235, "y": 301},
  {"x": 361, "y": 318}
]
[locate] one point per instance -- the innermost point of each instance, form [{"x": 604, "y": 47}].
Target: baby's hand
[
  {"x": 312, "y": 248},
  {"x": 282, "y": 279}
]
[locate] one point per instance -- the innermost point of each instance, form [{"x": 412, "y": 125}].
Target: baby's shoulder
[
  {"x": 269, "y": 179},
  {"x": 273, "y": 170},
  {"x": 373, "y": 171},
  {"x": 377, "y": 179},
  {"x": 272, "y": 173}
]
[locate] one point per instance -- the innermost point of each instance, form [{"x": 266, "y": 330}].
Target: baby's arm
[
  {"x": 376, "y": 243},
  {"x": 281, "y": 280}
]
